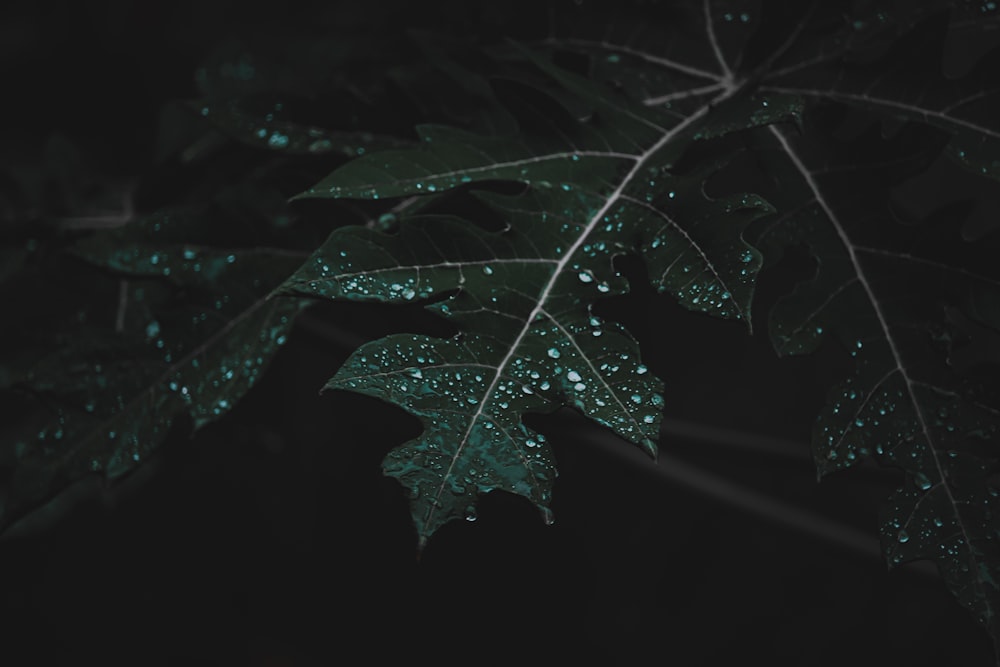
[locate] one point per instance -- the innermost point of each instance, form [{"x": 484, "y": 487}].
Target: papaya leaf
[
  {"x": 529, "y": 340},
  {"x": 707, "y": 139},
  {"x": 907, "y": 403},
  {"x": 522, "y": 297},
  {"x": 906, "y": 81},
  {"x": 602, "y": 167},
  {"x": 103, "y": 392},
  {"x": 904, "y": 403},
  {"x": 267, "y": 130},
  {"x": 625, "y": 145}
]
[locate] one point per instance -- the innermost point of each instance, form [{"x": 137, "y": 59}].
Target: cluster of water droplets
[
  {"x": 118, "y": 400},
  {"x": 474, "y": 441},
  {"x": 707, "y": 272},
  {"x": 269, "y": 129}
]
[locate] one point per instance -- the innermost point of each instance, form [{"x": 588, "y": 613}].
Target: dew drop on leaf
[{"x": 922, "y": 481}]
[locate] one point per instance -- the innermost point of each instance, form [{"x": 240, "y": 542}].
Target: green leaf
[
  {"x": 104, "y": 392},
  {"x": 628, "y": 147},
  {"x": 881, "y": 288},
  {"x": 267, "y": 130},
  {"x": 903, "y": 402},
  {"x": 906, "y": 81},
  {"x": 522, "y": 298},
  {"x": 686, "y": 133},
  {"x": 530, "y": 342}
]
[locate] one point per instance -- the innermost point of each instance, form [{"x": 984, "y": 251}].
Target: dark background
[{"x": 271, "y": 538}]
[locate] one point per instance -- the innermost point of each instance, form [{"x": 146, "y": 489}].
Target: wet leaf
[
  {"x": 706, "y": 138},
  {"x": 175, "y": 330},
  {"x": 522, "y": 297},
  {"x": 906, "y": 78},
  {"x": 269, "y": 131},
  {"x": 887, "y": 87},
  {"x": 882, "y": 293},
  {"x": 835, "y": 105}
]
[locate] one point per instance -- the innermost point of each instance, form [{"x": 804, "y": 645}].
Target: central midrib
[
  {"x": 640, "y": 162},
  {"x": 890, "y": 340}
]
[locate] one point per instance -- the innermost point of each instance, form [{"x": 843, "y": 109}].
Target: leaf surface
[
  {"x": 889, "y": 292},
  {"x": 904, "y": 403},
  {"x": 522, "y": 297},
  {"x": 103, "y": 393}
]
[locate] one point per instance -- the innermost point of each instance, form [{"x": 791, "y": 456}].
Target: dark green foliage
[
  {"x": 185, "y": 330},
  {"x": 706, "y": 139}
]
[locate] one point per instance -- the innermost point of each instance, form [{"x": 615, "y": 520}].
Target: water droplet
[
  {"x": 573, "y": 376},
  {"x": 585, "y": 277},
  {"x": 277, "y": 140},
  {"x": 554, "y": 353},
  {"x": 488, "y": 270},
  {"x": 922, "y": 481}
]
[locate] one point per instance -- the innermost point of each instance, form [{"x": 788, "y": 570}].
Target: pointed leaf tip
[
  {"x": 649, "y": 446},
  {"x": 547, "y": 516}
]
